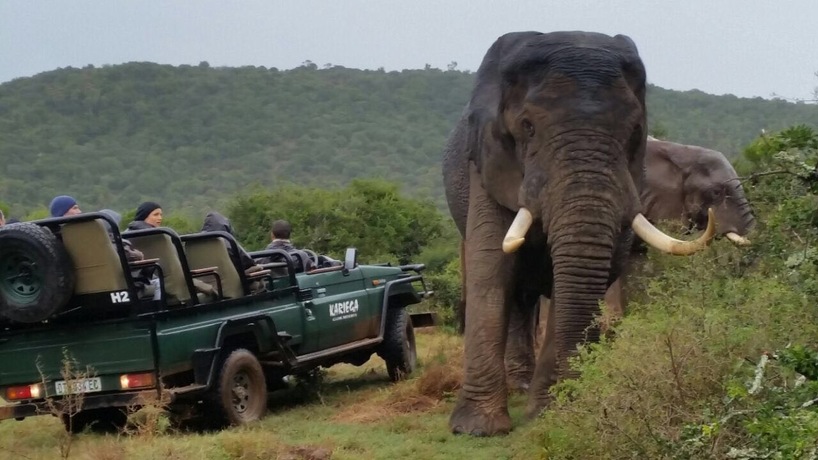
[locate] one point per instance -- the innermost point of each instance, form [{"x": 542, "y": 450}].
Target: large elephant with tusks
[{"x": 542, "y": 176}]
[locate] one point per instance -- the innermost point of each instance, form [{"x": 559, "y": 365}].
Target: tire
[
  {"x": 398, "y": 346},
  {"x": 36, "y": 273},
  {"x": 240, "y": 394},
  {"x": 102, "y": 420}
]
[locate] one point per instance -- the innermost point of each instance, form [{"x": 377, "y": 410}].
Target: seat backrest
[
  {"x": 211, "y": 252},
  {"x": 160, "y": 246},
  {"x": 97, "y": 265}
]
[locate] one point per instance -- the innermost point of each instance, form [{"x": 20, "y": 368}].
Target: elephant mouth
[{"x": 515, "y": 237}]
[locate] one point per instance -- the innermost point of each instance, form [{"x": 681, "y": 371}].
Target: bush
[{"x": 698, "y": 330}]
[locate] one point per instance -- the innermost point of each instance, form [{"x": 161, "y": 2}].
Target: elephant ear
[
  {"x": 491, "y": 145},
  {"x": 663, "y": 195},
  {"x": 487, "y": 131}
]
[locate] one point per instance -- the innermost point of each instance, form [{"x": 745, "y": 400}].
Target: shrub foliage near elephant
[{"x": 542, "y": 176}]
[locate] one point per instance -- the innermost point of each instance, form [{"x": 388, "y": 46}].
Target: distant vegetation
[{"x": 192, "y": 136}]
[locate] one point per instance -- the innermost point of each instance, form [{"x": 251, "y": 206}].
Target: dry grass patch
[
  {"x": 306, "y": 453},
  {"x": 441, "y": 356}
]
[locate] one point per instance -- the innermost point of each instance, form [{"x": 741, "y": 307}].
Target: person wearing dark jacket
[
  {"x": 216, "y": 222},
  {"x": 148, "y": 215},
  {"x": 280, "y": 234},
  {"x": 143, "y": 277}
]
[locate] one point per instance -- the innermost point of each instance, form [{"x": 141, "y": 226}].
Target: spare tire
[{"x": 36, "y": 273}]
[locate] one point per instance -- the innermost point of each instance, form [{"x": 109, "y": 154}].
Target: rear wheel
[
  {"x": 240, "y": 395},
  {"x": 398, "y": 346},
  {"x": 36, "y": 273}
]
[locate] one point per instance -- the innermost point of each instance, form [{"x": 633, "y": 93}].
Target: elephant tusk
[
  {"x": 659, "y": 240},
  {"x": 737, "y": 239},
  {"x": 515, "y": 237}
]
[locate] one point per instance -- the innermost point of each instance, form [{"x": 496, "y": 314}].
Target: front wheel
[
  {"x": 398, "y": 346},
  {"x": 240, "y": 395}
]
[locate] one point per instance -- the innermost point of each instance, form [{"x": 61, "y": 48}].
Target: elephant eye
[{"x": 528, "y": 128}]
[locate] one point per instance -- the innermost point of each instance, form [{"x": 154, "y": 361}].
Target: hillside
[{"x": 190, "y": 137}]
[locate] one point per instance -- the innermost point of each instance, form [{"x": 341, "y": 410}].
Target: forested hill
[{"x": 191, "y": 136}]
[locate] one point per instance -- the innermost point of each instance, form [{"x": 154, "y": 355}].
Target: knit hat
[
  {"x": 60, "y": 205},
  {"x": 145, "y": 209}
]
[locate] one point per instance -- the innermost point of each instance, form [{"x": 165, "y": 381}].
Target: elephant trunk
[{"x": 582, "y": 247}]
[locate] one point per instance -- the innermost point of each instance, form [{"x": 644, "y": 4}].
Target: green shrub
[{"x": 681, "y": 379}]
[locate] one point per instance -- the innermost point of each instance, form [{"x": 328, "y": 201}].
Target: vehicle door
[{"x": 341, "y": 307}]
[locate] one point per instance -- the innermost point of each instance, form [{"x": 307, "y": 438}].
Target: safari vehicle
[{"x": 70, "y": 300}]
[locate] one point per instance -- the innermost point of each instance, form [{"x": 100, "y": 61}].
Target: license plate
[{"x": 78, "y": 386}]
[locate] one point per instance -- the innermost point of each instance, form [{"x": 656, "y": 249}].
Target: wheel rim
[
  {"x": 242, "y": 392},
  {"x": 21, "y": 278}
]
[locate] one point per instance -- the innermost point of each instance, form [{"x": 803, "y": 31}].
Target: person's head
[
  {"x": 216, "y": 222},
  {"x": 64, "y": 205},
  {"x": 281, "y": 230},
  {"x": 117, "y": 217},
  {"x": 149, "y": 212}
]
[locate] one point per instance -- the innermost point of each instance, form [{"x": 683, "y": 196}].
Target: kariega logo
[{"x": 343, "y": 310}]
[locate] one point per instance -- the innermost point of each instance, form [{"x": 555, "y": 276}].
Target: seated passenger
[
  {"x": 143, "y": 277},
  {"x": 215, "y": 222},
  {"x": 148, "y": 215},
  {"x": 280, "y": 234},
  {"x": 64, "y": 205}
]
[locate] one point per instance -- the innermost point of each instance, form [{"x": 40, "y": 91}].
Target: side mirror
[{"x": 350, "y": 260}]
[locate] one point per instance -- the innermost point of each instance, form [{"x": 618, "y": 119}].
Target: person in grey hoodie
[{"x": 215, "y": 222}]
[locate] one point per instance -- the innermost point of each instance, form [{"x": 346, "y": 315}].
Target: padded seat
[
  {"x": 97, "y": 265},
  {"x": 209, "y": 249},
  {"x": 211, "y": 252},
  {"x": 160, "y": 246}
]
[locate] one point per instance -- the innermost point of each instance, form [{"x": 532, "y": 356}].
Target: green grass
[{"x": 357, "y": 413}]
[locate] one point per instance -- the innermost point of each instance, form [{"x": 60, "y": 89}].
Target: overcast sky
[{"x": 742, "y": 47}]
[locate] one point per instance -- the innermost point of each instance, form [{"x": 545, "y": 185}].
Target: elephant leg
[
  {"x": 541, "y": 317},
  {"x": 482, "y": 403},
  {"x": 545, "y": 371},
  {"x": 519, "y": 357},
  {"x": 614, "y": 306},
  {"x": 461, "y": 306}
]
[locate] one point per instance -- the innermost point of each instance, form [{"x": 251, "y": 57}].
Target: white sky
[{"x": 742, "y": 47}]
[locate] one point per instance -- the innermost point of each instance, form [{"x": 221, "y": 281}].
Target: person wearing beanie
[
  {"x": 148, "y": 215},
  {"x": 64, "y": 205}
]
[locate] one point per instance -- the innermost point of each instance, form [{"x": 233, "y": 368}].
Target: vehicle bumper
[{"x": 30, "y": 409}]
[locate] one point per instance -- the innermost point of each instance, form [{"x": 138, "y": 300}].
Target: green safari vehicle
[{"x": 78, "y": 321}]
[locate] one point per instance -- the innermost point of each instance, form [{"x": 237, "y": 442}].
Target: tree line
[{"x": 192, "y": 137}]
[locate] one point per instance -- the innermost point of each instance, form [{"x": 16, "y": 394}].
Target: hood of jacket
[{"x": 215, "y": 222}]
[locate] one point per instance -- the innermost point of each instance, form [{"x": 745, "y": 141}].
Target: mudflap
[{"x": 424, "y": 319}]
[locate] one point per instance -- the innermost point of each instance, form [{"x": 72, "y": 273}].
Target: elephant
[
  {"x": 683, "y": 181},
  {"x": 542, "y": 175}
]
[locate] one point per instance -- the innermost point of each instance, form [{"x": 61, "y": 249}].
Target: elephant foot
[
  {"x": 535, "y": 407},
  {"x": 475, "y": 420}
]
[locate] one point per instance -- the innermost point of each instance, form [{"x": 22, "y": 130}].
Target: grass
[{"x": 357, "y": 414}]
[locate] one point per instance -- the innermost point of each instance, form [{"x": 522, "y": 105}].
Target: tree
[{"x": 370, "y": 215}]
